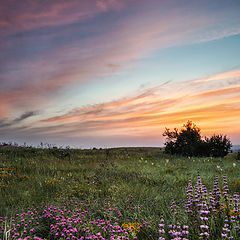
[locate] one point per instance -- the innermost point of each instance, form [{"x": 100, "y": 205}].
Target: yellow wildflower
[
  {"x": 237, "y": 183},
  {"x": 23, "y": 176},
  {"x": 169, "y": 170},
  {"x": 52, "y": 182},
  {"x": 133, "y": 227},
  {"x": 3, "y": 175}
]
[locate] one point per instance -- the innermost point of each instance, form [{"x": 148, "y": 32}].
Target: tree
[
  {"x": 218, "y": 145},
  {"x": 188, "y": 142}
]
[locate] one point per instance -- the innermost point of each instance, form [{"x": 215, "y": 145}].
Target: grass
[{"x": 140, "y": 182}]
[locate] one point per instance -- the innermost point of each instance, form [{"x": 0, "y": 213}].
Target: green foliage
[
  {"x": 188, "y": 142},
  {"x": 38, "y": 177},
  {"x": 238, "y": 155}
]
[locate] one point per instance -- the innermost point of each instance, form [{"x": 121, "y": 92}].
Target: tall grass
[{"x": 146, "y": 176}]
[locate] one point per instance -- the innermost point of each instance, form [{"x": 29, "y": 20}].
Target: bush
[
  {"x": 188, "y": 142},
  {"x": 218, "y": 145}
]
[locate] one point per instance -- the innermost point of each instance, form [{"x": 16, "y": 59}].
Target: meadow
[{"x": 121, "y": 193}]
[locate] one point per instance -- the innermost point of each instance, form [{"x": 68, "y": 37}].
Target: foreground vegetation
[{"x": 124, "y": 193}]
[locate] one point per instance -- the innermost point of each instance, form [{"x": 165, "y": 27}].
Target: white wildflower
[{"x": 219, "y": 168}]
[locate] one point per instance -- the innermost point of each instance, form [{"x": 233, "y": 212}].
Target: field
[{"x": 122, "y": 193}]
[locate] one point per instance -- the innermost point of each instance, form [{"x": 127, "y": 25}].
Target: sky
[{"x": 110, "y": 73}]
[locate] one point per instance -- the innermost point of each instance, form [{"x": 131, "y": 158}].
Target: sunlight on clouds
[
  {"x": 59, "y": 57},
  {"x": 235, "y": 74},
  {"x": 156, "y": 108}
]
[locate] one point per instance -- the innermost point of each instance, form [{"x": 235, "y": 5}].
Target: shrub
[{"x": 218, "y": 145}]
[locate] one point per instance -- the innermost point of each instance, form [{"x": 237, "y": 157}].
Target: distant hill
[{"x": 235, "y": 148}]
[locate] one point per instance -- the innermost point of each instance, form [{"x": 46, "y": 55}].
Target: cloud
[
  {"x": 25, "y": 116},
  {"x": 233, "y": 74},
  {"x": 152, "y": 110},
  {"x": 105, "y": 5},
  {"x": 51, "y": 46},
  {"x": 26, "y": 15},
  {"x": 215, "y": 110},
  {"x": 20, "y": 119}
]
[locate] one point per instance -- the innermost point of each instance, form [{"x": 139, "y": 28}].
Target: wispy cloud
[
  {"x": 16, "y": 16},
  {"x": 50, "y": 48},
  {"x": 152, "y": 110},
  {"x": 54, "y": 49},
  {"x": 142, "y": 118},
  {"x": 20, "y": 119},
  {"x": 233, "y": 74}
]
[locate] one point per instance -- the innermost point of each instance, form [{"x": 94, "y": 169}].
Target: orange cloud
[
  {"x": 234, "y": 74},
  {"x": 215, "y": 111},
  {"x": 78, "y": 61},
  {"x": 33, "y": 82}
]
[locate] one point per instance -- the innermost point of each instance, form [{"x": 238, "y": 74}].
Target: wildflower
[
  {"x": 169, "y": 170},
  {"x": 52, "y": 182},
  {"x": 3, "y": 175},
  {"x": 219, "y": 168},
  {"x": 204, "y": 227},
  {"x": 204, "y": 234},
  {"x": 23, "y": 176},
  {"x": 161, "y": 231},
  {"x": 204, "y": 218}
]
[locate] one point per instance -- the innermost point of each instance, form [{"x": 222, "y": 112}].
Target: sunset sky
[{"x": 105, "y": 73}]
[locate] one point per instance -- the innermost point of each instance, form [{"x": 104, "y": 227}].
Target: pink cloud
[
  {"x": 105, "y": 5},
  {"x": 16, "y": 16},
  {"x": 132, "y": 38},
  {"x": 233, "y": 74},
  {"x": 215, "y": 110}
]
